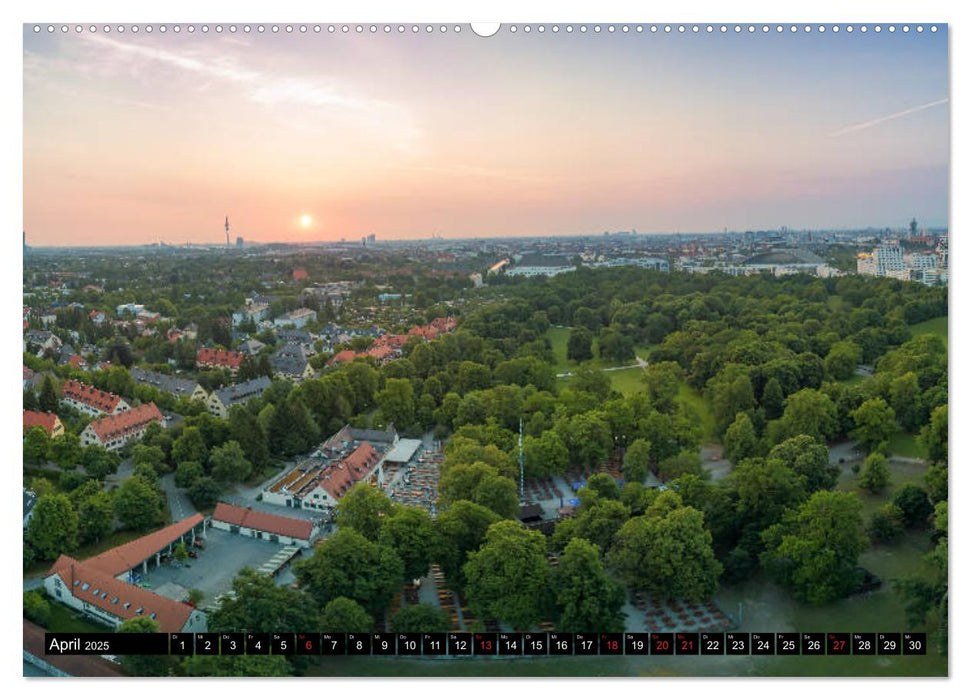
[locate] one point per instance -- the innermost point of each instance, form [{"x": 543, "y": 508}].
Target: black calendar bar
[{"x": 457, "y": 644}]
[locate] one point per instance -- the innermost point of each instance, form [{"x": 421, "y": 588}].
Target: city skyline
[{"x": 135, "y": 138}]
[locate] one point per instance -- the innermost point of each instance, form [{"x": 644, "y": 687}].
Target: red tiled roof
[
  {"x": 121, "y": 599},
  {"x": 265, "y": 522},
  {"x": 342, "y": 356},
  {"x": 28, "y": 373},
  {"x": 112, "y": 427},
  {"x": 47, "y": 421},
  {"x": 103, "y": 401},
  {"x": 130, "y": 555},
  {"x": 221, "y": 358},
  {"x": 76, "y": 361}
]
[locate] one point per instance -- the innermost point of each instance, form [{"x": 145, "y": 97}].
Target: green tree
[
  {"x": 137, "y": 504},
  {"x": 348, "y": 564},
  {"x": 481, "y": 484},
  {"x": 887, "y": 523},
  {"x": 397, "y": 402},
  {"x": 616, "y": 346},
  {"x": 190, "y": 447},
  {"x": 53, "y": 527},
  {"x": 875, "y": 476},
  {"x": 188, "y": 473},
  {"x": 730, "y": 393},
  {"x": 237, "y": 666},
  {"x": 229, "y": 463},
  {"x": 668, "y": 555},
  {"x": 875, "y": 424},
  {"x": 936, "y": 480},
  {"x": 809, "y": 412},
  {"x": 814, "y": 550},
  {"x": 603, "y": 486},
  {"x": 462, "y": 528},
  {"x": 36, "y": 445},
  {"x": 842, "y": 359},
  {"x": 345, "y": 615},
  {"x": 204, "y": 493},
  {"x": 411, "y": 533},
  {"x": 95, "y": 511},
  {"x": 151, "y": 455},
  {"x": 586, "y": 598},
  {"x": 245, "y": 428},
  {"x": 36, "y": 608},
  {"x": 364, "y": 508},
  {"x": 765, "y": 488},
  {"x": 143, "y": 664},
  {"x": 509, "y": 577},
  {"x": 99, "y": 462},
  {"x": 773, "y": 400},
  {"x": 48, "y": 397},
  {"x": 545, "y": 455},
  {"x": 933, "y": 436},
  {"x": 420, "y": 618},
  {"x": 596, "y": 523},
  {"x": 663, "y": 380},
  {"x": 685, "y": 462},
  {"x": 579, "y": 345},
  {"x": 740, "y": 441},
  {"x": 65, "y": 450},
  {"x": 637, "y": 458},
  {"x": 809, "y": 459},
  {"x": 905, "y": 400},
  {"x": 914, "y": 504},
  {"x": 258, "y": 603},
  {"x": 588, "y": 438}
]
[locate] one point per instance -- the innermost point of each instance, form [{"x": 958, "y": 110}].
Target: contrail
[{"x": 880, "y": 120}]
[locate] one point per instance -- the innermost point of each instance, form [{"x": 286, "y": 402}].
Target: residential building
[
  {"x": 251, "y": 347},
  {"x": 264, "y": 526},
  {"x": 130, "y": 309},
  {"x": 291, "y": 362},
  {"x": 102, "y": 587},
  {"x": 177, "y": 386},
  {"x": 30, "y": 500},
  {"x": 342, "y": 357},
  {"x": 28, "y": 377},
  {"x": 213, "y": 358},
  {"x": 298, "y": 318},
  {"x": 221, "y": 400},
  {"x": 252, "y": 312},
  {"x": 91, "y": 400},
  {"x": 48, "y": 421},
  {"x": 114, "y": 432}
]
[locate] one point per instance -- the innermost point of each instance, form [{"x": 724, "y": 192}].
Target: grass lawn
[
  {"x": 64, "y": 619},
  {"x": 695, "y": 403},
  {"x": 627, "y": 381},
  {"x": 937, "y": 326},
  {"x": 906, "y": 445},
  {"x": 855, "y": 379},
  {"x": 558, "y": 339}
]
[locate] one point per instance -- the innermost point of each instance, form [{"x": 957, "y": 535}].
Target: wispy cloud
[
  {"x": 880, "y": 120},
  {"x": 395, "y": 120}
]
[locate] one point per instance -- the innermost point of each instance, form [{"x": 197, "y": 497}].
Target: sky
[{"x": 137, "y": 138}]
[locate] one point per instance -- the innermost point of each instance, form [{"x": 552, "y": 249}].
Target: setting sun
[{"x": 306, "y": 220}]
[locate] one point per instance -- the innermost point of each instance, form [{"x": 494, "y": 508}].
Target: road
[{"x": 179, "y": 504}]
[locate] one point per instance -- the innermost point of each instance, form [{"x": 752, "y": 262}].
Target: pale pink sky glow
[{"x": 138, "y": 138}]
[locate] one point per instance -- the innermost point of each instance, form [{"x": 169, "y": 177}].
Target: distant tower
[
  {"x": 227, "y": 231},
  {"x": 913, "y": 228}
]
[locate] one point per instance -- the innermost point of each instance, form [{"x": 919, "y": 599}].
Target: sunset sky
[{"x": 134, "y": 138}]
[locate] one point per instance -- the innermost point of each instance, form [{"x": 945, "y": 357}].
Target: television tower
[{"x": 227, "y": 230}]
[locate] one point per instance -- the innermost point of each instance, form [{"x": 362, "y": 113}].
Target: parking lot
[{"x": 212, "y": 572}]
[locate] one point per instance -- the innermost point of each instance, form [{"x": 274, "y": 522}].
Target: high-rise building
[
  {"x": 227, "y": 231},
  {"x": 913, "y": 228},
  {"x": 239, "y": 242}
]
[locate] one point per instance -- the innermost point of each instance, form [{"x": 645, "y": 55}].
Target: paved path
[
  {"x": 179, "y": 504},
  {"x": 641, "y": 362}
]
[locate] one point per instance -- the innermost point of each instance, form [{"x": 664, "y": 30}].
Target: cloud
[
  {"x": 393, "y": 120},
  {"x": 880, "y": 120}
]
